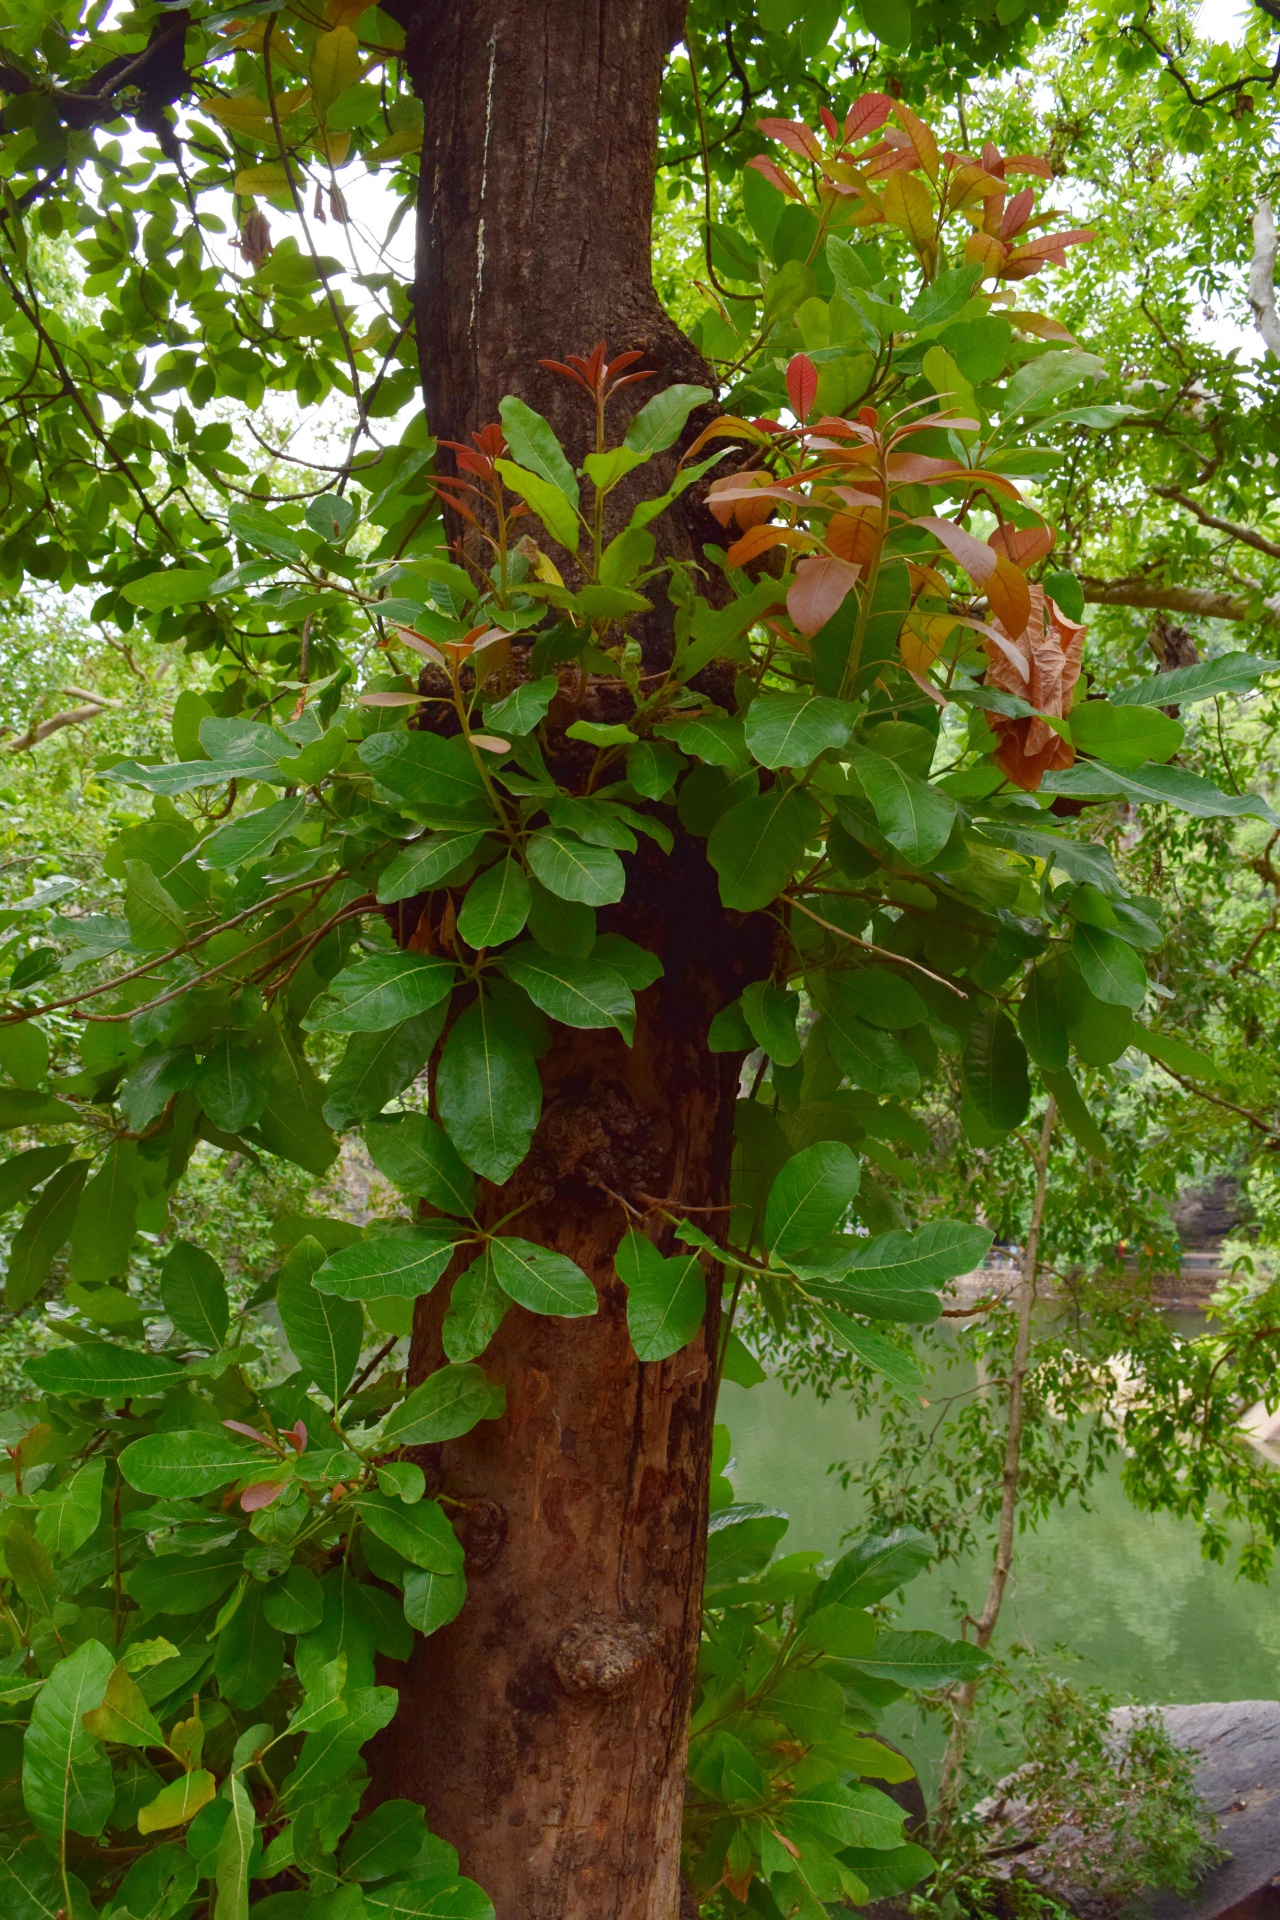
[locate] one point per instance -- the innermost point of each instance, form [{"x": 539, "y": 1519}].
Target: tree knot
[{"x": 601, "y": 1653}]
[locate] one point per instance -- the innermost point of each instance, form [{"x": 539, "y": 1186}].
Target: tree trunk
[
  {"x": 536, "y": 201},
  {"x": 545, "y": 1729}
]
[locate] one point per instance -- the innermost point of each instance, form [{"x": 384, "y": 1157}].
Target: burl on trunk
[{"x": 545, "y": 1729}]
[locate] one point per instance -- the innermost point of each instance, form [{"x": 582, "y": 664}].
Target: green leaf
[
  {"x": 488, "y": 1092},
  {"x": 927, "y": 1257},
  {"x": 1161, "y": 786},
  {"x": 235, "y": 1847},
  {"x": 231, "y": 1084},
  {"x": 194, "y": 1291},
  {"x": 792, "y": 729},
  {"x": 1112, "y": 971},
  {"x": 377, "y": 1066},
  {"x": 1075, "y": 1115},
  {"x": 379, "y": 992},
  {"x": 1125, "y": 736},
  {"x": 153, "y": 1084},
  {"x": 569, "y": 868},
  {"x": 555, "y": 509},
  {"x": 66, "y": 1777},
  {"x": 560, "y": 926},
  {"x": 170, "y": 1583},
  {"x": 1042, "y": 1020},
  {"x": 523, "y": 709},
  {"x": 175, "y": 587},
  {"x": 406, "y": 1261},
  {"x": 883, "y": 998},
  {"x": 578, "y": 992},
  {"x": 666, "y": 1299},
  {"x": 124, "y": 1715},
  {"x": 877, "y": 1566},
  {"x": 252, "y": 835},
  {"x": 155, "y": 919},
  {"x": 179, "y": 1802},
  {"x": 898, "y": 1368},
  {"x": 106, "y": 1218},
  {"x": 844, "y": 1632},
  {"x": 419, "y": 1157},
  {"x": 69, "y": 1515},
  {"x": 420, "y": 1534},
  {"x": 44, "y": 1232},
  {"x": 101, "y": 1371},
  {"x": 740, "y": 1542},
  {"x": 20, "y": 1107},
  {"x": 770, "y": 1016},
  {"x": 1178, "y": 1055},
  {"x": 24, "y": 1053},
  {"x": 159, "y": 1884},
  {"x": 449, "y": 1403},
  {"x": 1181, "y": 686},
  {"x": 185, "y": 1466},
  {"x": 857, "y": 1816},
  {"x": 811, "y": 1196},
  {"x": 541, "y": 1280},
  {"x": 496, "y": 906},
  {"x": 327, "y": 1755},
  {"x": 534, "y": 445},
  {"x": 249, "y": 1652},
  {"x": 913, "y": 816},
  {"x": 661, "y": 420},
  {"x": 23, "y": 1173},
  {"x": 428, "y": 771},
  {"x": 325, "y": 1333},
  {"x": 291, "y": 1123},
  {"x": 295, "y": 1602},
  {"x": 426, "y": 863},
  {"x": 868, "y": 1056},
  {"x": 717, "y": 739},
  {"x": 922, "y": 1659},
  {"x": 994, "y": 1071},
  {"x": 476, "y": 1308},
  {"x": 385, "y": 1843},
  {"x": 757, "y": 845},
  {"x": 432, "y": 1600}
]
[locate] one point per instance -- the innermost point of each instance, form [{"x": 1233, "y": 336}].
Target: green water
[{"x": 1126, "y": 1592}]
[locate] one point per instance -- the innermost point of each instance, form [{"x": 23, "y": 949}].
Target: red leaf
[
  {"x": 1023, "y": 545},
  {"x": 828, "y": 120},
  {"x": 819, "y": 590},
  {"x": 775, "y": 176},
  {"x": 250, "y": 1433},
  {"x": 866, "y": 114},
  {"x": 1017, "y": 213},
  {"x": 977, "y": 560},
  {"x": 794, "y": 135},
  {"x": 802, "y": 386},
  {"x": 1028, "y": 163},
  {"x": 261, "y": 1494}
]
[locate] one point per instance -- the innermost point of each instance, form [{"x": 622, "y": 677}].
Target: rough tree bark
[{"x": 545, "y": 1729}]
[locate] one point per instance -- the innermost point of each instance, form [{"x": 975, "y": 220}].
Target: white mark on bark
[
  {"x": 484, "y": 181},
  {"x": 1262, "y": 284}
]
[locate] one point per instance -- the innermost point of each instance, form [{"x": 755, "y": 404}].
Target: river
[{"x": 1126, "y": 1593}]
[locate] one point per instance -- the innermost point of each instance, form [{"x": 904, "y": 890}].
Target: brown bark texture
[
  {"x": 536, "y": 200},
  {"x": 545, "y": 1729}
]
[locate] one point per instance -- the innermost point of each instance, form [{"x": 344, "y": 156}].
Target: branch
[
  {"x": 73, "y": 717},
  {"x": 1205, "y": 601},
  {"x": 1262, "y": 280},
  {"x": 1245, "y": 535}
]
